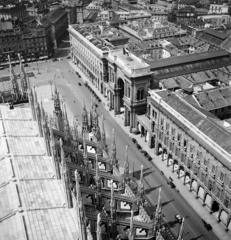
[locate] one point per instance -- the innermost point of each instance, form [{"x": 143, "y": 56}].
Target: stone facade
[
  {"x": 203, "y": 163},
  {"x": 120, "y": 76}
]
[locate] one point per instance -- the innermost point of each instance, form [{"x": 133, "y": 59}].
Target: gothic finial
[
  {"x": 79, "y": 202},
  {"x": 141, "y": 184},
  {"x": 84, "y": 147},
  {"x": 96, "y": 169},
  {"x": 13, "y": 79},
  {"x": 66, "y": 123},
  {"x": 92, "y": 103},
  {"x": 180, "y": 234},
  {"x": 157, "y": 211},
  {"x": 35, "y": 96},
  {"x": 75, "y": 125},
  {"x": 84, "y": 119},
  {"x": 21, "y": 66},
  {"x": 103, "y": 135},
  {"x": 112, "y": 199},
  {"x": 52, "y": 137},
  {"x": 141, "y": 172},
  {"x": 113, "y": 149},
  {"x": 10, "y": 66},
  {"x": 57, "y": 105},
  {"x": 98, "y": 231},
  {"x": 131, "y": 226},
  {"x": 61, "y": 150},
  {"x": 77, "y": 186},
  {"x": 126, "y": 164},
  {"x": 43, "y": 114}
]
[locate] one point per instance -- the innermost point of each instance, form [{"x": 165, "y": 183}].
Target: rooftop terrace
[
  {"x": 146, "y": 29},
  {"x": 32, "y": 202},
  {"x": 95, "y": 32},
  {"x": 130, "y": 64}
]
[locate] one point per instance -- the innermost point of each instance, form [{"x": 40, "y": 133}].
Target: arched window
[{"x": 140, "y": 94}]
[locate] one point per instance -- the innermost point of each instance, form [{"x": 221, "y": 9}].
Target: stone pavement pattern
[{"x": 32, "y": 202}]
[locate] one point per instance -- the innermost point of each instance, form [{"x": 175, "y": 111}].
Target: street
[{"x": 75, "y": 96}]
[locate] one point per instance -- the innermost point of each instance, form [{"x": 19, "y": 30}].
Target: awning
[{"x": 144, "y": 121}]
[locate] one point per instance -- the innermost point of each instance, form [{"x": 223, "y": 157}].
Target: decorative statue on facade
[
  {"x": 84, "y": 120},
  {"x": 57, "y": 111}
]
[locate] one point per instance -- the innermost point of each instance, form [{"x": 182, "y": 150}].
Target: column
[
  {"x": 132, "y": 119},
  {"x": 111, "y": 100},
  {"x": 227, "y": 223},
  {"x": 125, "y": 116},
  {"x": 197, "y": 191},
  {"x": 211, "y": 210},
  {"x": 178, "y": 173},
  {"x": 190, "y": 186},
  {"x": 204, "y": 198},
  {"x": 53, "y": 36},
  {"x": 116, "y": 103},
  {"x": 219, "y": 215},
  {"x": 168, "y": 161},
  {"x": 185, "y": 178}
]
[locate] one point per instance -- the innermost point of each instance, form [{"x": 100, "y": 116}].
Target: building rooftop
[
  {"x": 178, "y": 60},
  {"x": 146, "y": 29},
  {"x": 197, "y": 118},
  {"x": 198, "y": 80},
  {"x": 131, "y": 64},
  {"x": 192, "y": 44},
  {"x": 213, "y": 36},
  {"x": 214, "y": 98},
  {"x": 31, "y": 198},
  {"x": 95, "y": 33}
]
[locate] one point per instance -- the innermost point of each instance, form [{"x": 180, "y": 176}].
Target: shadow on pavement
[
  {"x": 148, "y": 173},
  {"x": 167, "y": 202},
  {"x": 172, "y": 224},
  {"x": 198, "y": 237},
  {"x": 136, "y": 174},
  {"x": 149, "y": 190}
]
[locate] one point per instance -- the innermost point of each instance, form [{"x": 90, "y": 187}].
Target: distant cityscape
[{"x": 115, "y": 119}]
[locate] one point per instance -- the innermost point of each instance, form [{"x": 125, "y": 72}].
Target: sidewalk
[{"x": 196, "y": 204}]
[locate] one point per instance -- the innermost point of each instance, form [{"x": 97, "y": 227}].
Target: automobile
[
  {"x": 138, "y": 146},
  {"x": 135, "y": 131},
  {"x": 55, "y": 60},
  {"x": 144, "y": 152},
  {"x": 134, "y": 140},
  {"x": 207, "y": 225},
  {"x": 149, "y": 157},
  {"x": 68, "y": 57},
  {"x": 172, "y": 185},
  {"x": 80, "y": 84},
  {"x": 26, "y": 65},
  {"x": 178, "y": 218}
]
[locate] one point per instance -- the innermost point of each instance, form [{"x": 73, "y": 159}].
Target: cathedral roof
[{"x": 31, "y": 198}]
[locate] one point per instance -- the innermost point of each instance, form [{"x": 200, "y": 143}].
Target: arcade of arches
[{"x": 194, "y": 165}]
